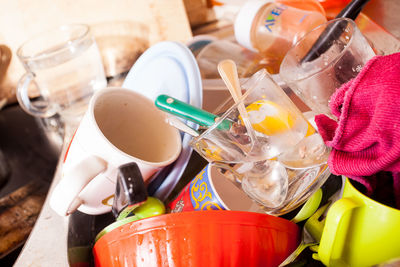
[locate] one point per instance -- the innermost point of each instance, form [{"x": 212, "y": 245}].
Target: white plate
[{"x": 168, "y": 68}]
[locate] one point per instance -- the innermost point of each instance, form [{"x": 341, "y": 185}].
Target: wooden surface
[
  {"x": 21, "y": 19},
  {"x": 199, "y": 12}
]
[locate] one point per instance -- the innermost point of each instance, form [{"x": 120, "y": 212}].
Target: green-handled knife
[{"x": 192, "y": 113}]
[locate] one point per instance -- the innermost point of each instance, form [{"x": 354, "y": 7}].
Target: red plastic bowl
[{"x": 199, "y": 238}]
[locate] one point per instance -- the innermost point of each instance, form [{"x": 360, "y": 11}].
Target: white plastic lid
[
  {"x": 244, "y": 21},
  {"x": 168, "y": 68}
]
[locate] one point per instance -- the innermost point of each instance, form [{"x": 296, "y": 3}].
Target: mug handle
[
  {"x": 335, "y": 230},
  {"x": 24, "y": 101},
  {"x": 65, "y": 197}
]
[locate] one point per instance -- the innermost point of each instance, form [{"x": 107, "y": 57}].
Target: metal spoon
[
  {"x": 311, "y": 234},
  {"x": 228, "y": 71},
  {"x": 259, "y": 144}
]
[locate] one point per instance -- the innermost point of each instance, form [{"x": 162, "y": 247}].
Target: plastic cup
[
  {"x": 284, "y": 164},
  {"x": 315, "y": 81}
]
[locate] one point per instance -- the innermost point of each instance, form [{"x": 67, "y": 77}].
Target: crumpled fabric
[{"x": 365, "y": 139}]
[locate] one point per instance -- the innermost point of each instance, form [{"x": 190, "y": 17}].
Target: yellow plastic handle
[
  {"x": 309, "y": 208},
  {"x": 335, "y": 230}
]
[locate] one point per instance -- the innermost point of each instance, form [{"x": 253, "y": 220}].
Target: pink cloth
[{"x": 366, "y": 138}]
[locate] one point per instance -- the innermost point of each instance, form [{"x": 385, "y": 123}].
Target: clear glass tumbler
[
  {"x": 315, "y": 78},
  {"x": 280, "y": 160},
  {"x": 66, "y": 67}
]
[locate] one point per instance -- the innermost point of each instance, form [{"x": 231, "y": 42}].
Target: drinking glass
[
  {"x": 315, "y": 79},
  {"x": 280, "y": 160},
  {"x": 65, "y": 66}
]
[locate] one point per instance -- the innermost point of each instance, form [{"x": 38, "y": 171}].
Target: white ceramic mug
[{"x": 120, "y": 126}]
